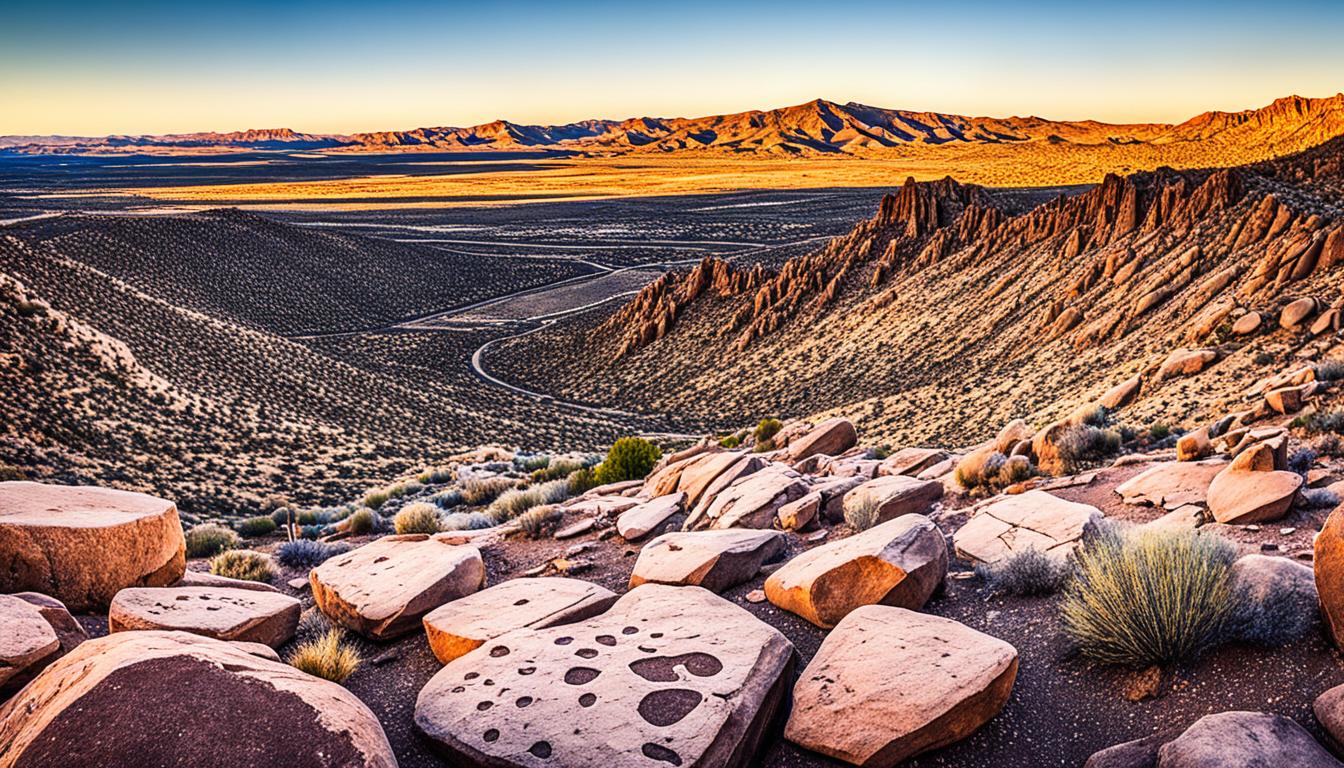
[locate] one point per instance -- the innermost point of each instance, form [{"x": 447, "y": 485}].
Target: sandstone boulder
[
  {"x": 465, "y": 624},
  {"x": 204, "y": 579},
  {"x": 1297, "y": 312},
  {"x": 126, "y": 700},
  {"x": 68, "y": 631},
  {"x": 1013, "y": 524},
  {"x": 893, "y": 496},
  {"x": 644, "y": 684},
  {"x": 384, "y": 588},
  {"x": 833, "y": 492},
  {"x": 1171, "y": 484},
  {"x": 83, "y": 544},
  {"x": 831, "y": 438},
  {"x": 1194, "y": 445},
  {"x": 1185, "y": 362},
  {"x": 1247, "y": 324},
  {"x": 639, "y": 521},
  {"x": 245, "y": 615},
  {"x": 1328, "y": 565},
  {"x": 1246, "y": 492},
  {"x": 900, "y": 563},
  {"x": 27, "y": 642},
  {"x": 700, "y": 475},
  {"x": 715, "y": 560},
  {"x": 745, "y": 465},
  {"x": 1121, "y": 394},
  {"x": 889, "y": 683},
  {"x": 1329, "y": 709},
  {"x": 1244, "y": 739},
  {"x": 911, "y": 461},
  {"x": 798, "y": 514},
  {"x": 1286, "y": 400},
  {"x": 754, "y": 500}
]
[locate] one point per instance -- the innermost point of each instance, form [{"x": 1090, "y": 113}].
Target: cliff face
[{"x": 1023, "y": 308}]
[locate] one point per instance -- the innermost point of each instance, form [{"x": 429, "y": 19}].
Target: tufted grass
[
  {"x": 329, "y": 657},
  {"x": 420, "y": 517},
  {"x": 209, "y": 539},
  {"x": 243, "y": 564}
]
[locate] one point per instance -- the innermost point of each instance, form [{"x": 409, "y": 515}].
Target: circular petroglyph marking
[
  {"x": 541, "y": 749},
  {"x": 669, "y": 705},
  {"x": 663, "y": 669},
  {"x": 581, "y": 675}
]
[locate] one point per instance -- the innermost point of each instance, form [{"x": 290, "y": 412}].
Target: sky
[{"x": 97, "y": 68}]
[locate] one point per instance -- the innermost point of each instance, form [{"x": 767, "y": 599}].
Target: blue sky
[{"x": 86, "y": 68}]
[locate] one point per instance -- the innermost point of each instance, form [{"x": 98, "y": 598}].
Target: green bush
[
  {"x": 630, "y": 458},
  {"x": 1026, "y": 573},
  {"x": 766, "y": 429},
  {"x": 1159, "y": 431},
  {"x": 243, "y": 564},
  {"x": 532, "y": 463},
  {"x": 362, "y": 521},
  {"x": 731, "y": 441},
  {"x": 420, "y": 517},
  {"x": 328, "y": 657},
  {"x": 1330, "y": 370},
  {"x": 581, "y": 481},
  {"x": 376, "y": 499},
  {"x": 1145, "y": 597},
  {"x": 253, "y": 527},
  {"x": 208, "y": 540}
]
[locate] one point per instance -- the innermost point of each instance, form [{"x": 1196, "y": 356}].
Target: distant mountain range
[{"x": 817, "y": 128}]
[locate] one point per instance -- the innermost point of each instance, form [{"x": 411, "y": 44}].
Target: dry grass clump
[
  {"x": 420, "y": 517},
  {"x": 209, "y": 539},
  {"x": 862, "y": 515},
  {"x": 539, "y": 522},
  {"x": 243, "y": 564},
  {"x": 479, "y": 491},
  {"x": 1027, "y": 573},
  {"x": 1140, "y": 598},
  {"x": 518, "y": 501},
  {"x": 362, "y": 521},
  {"x": 467, "y": 521},
  {"x": 329, "y": 657},
  {"x": 1085, "y": 444},
  {"x": 254, "y": 527},
  {"x": 991, "y": 473}
]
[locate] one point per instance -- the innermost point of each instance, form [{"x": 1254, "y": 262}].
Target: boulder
[
  {"x": 745, "y": 465},
  {"x": 1247, "y": 323},
  {"x": 83, "y": 544},
  {"x": 894, "y": 496},
  {"x": 1193, "y": 446},
  {"x": 1032, "y": 520},
  {"x": 203, "y": 579},
  {"x": 754, "y": 500},
  {"x": 645, "y": 684},
  {"x": 245, "y": 615},
  {"x": 889, "y": 683},
  {"x": 1264, "y": 578},
  {"x": 384, "y": 588},
  {"x": 665, "y": 480},
  {"x": 831, "y": 438},
  {"x": 1250, "y": 490},
  {"x": 68, "y": 631},
  {"x": 1286, "y": 400},
  {"x": 798, "y": 514},
  {"x": 716, "y": 560},
  {"x": 1328, "y": 565},
  {"x": 27, "y": 642},
  {"x": 1248, "y": 739},
  {"x": 900, "y": 563},
  {"x": 174, "y": 698},
  {"x": 1185, "y": 362},
  {"x": 1329, "y": 709},
  {"x": 1171, "y": 484},
  {"x": 1328, "y": 321},
  {"x": 465, "y": 624},
  {"x": 1297, "y": 312},
  {"x": 701, "y": 474},
  {"x": 639, "y": 521},
  {"x": 1121, "y": 394},
  {"x": 833, "y": 492},
  {"x": 910, "y": 461}
]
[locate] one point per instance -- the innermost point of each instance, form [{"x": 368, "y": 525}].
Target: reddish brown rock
[
  {"x": 1171, "y": 484},
  {"x": 1247, "y": 324},
  {"x": 1328, "y": 565},
  {"x": 911, "y": 461},
  {"x": 27, "y": 643},
  {"x": 831, "y": 438},
  {"x": 1297, "y": 312},
  {"x": 1121, "y": 394},
  {"x": 753, "y": 501},
  {"x": 1193, "y": 446},
  {"x": 245, "y": 615},
  {"x": 895, "y": 495},
  {"x": 1250, "y": 490},
  {"x": 1185, "y": 362}
]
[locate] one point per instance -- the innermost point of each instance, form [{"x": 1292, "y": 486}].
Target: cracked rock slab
[
  {"x": 669, "y": 676},
  {"x": 889, "y": 683},
  {"x": 383, "y": 589},
  {"x": 715, "y": 560},
  {"x": 245, "y": 615},
  {"x": 462, "y": 626},
  {"x": 1031, "y": 520}
]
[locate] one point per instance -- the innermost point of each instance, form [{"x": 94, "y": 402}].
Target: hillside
[{"x": 949, "y": 312}]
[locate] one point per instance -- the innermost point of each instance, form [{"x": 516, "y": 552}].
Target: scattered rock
[
  {"x": 716, "y": 560},
  {"x": 224, "y": 614},
  {"x": 384, "y": 588},
  {"x": 1328, "y": 565},
  {"x": 900, "y": 562},
  {"x": 754, "y": 500},
  {"x": 1297, "y": 312},
  {"x": 83, "y": 544},
  {"x": 1250, "y": 490},
  {"x": 462, "y": 626},
  {"x": 830, "y": 438},
  {"x": 576, "y": 529},
  {"x": 638, "y": 522},
  {"x": 911, "y": 461},
  {"x": 1121, "y": 394},
  {"x": 1193, "y": 446},
  {"x": 1244, "y": 739},
  {"x": 797, "y": 514},
  {"x": 1032, "y": 520},
  {"x": 889, "y": 683},
  {"x": 1248, "y": 323},
  {"x": 1171, "y": 484},
  {"x": 894, "y": 496},
  {"x": 27, "y": 642},
  {"x": 1186, "y": 362},
  {"x": 642, "y": 684}
]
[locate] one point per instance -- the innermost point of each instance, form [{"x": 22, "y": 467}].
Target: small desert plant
[
  {"x": 1085, "y": 444},
  {"x": 243, "y": 564},
  {"x": 375, "y": 499},
  {"x": 582, "y": 481},
  {"x": 515, "y": 502},
  {"x": 1301, "y": 460},
  {"x": 208, "y": 539},
  {"x": 362, "y": 521},
  {"x": 1330, "y": 370},
  {"x": 483, "y": 490},
  {"x": 435, "y": 476},
  {"x": 766, "y": 429},
  {"x": 1099, "y": 416},
  {"x": 630, "y": 458},
  {"x": 328, "y": 657},
  {"x": 253, "y": 527},
  {"x": 731, "y": 441},
  {"x": 1263, "y": 358},
  {"x": 1026, "y": 573},
  {"x": 1325, "y": 422},
  {"x": 1328, "y": 445},
  {"x": 992, "y": 473},
  {"x": 447, "y": 499},
  {"x": 312, "y": 623},
  {"x": 419, "y": 517},
  {"x": 538, "y": 522},
  {"x": 557, "y": 469},
  {"x": 306, "y": 554},
  {"x": 1140, "y": 598},
  {"x": 1318, "y": 498},
  {"x": 532, "y": 463},
  {"x": 880, "y": 452},
  {"x": 11, "y": 472},
  {"x": 863, "y": 514},
  {"x": 1159, "y": 431},
  {"x": 467, "y": 521}
]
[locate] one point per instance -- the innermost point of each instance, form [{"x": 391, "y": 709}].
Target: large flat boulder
[
  {"x": 27, "y": 642},
  {"x": 900, "y": 563},
  {"x": 645, "y": 684},
  {"x": 1171, "y": 484},
  {"x": 641, "y": 520},
  {"x": 715, "y": 560},
  {"x": 173, "y": 698},
  {"x": 754, "y": 500},
  {"x": 911, "y": 461},
  {"x": 462, "y": 626},
  {"x": 1230, "y": 739},
  {"x": 83, "y": 544},
  {"x": 1031, "y": 520},
  {"x": 829, "y": 438},
  {"x": 383, "y": 589},
  {"x": 1250, "y": 490},
  {"x": 700, "y": 475},
  {"x": 1328, "y": 565},
  {"x": 889, "y": 683},
  {"x": 894, "y": 496},
  {"x": 245, "y": 615}
]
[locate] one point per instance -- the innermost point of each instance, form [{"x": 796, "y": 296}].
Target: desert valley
[{"x": 820, "y": 435}]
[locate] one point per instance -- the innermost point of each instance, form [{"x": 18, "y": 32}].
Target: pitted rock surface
[
  {"x": 669, "y": 676},
  {"x": 715, "y": 560},
  {"x": 383, "y": 589},
  {"x": 463, "y": 625},
  {"x": 83, "y": 544},
  {"x": 219, "y": 612}
]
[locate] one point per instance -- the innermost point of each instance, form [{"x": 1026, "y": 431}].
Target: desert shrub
[
  {"x": 864, "y": 514},
  {"x": 483, "y": 490},
  {"x": 1318, "y": 498},
  {"x": 419, "y": 517},
  {"x": 208, "y": 539},
  {"x": 557, "y": 469},
  {"x": 582, "y": 481},
  {"x": 1159, "y": 431},
  {"x": 1330, "y": 370},
  {"x": 243, "y": 564},
  {"x": 1262, "y": 358},
  {"x": 880, "y": 452},
  {"x": 253, "y": 527},
  {"x": 1145, "y": 597},
  {"x": 375, "y": 499},
  {"x": 1025, "y": 573},
  {"x": 306, "y": 554},
  {"x": 362, "y": 521},
  {"x": 538, "y": 522},
  {"x": 630, "y": 458},
  {"x": 1328, "y": 445},
  {"x": 1278, "y": 616},
  {"x": 992, "y": 473},
  {"x": 312, "y": 532},
  {"x": 447, "y": 499},
  {"x": 1097, "y": 417},
  {"x": 1084, "y": 444},
  {"x": 1301, "y": 460},
  {"x": 517, "y": 501},
  {"x": 436, "y": 476},
  {"x": 329, "y": 657},
  {"x": 532, "y": 463},
  {"x": 466, "y": 521},
  {"x": 766, "y": 429},
  {"x": 312, "y": 622},
  {"x": 1325, "y": 422},
  {"x": 731, "y": 441},
  {"x": 11, "y": 472}
]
